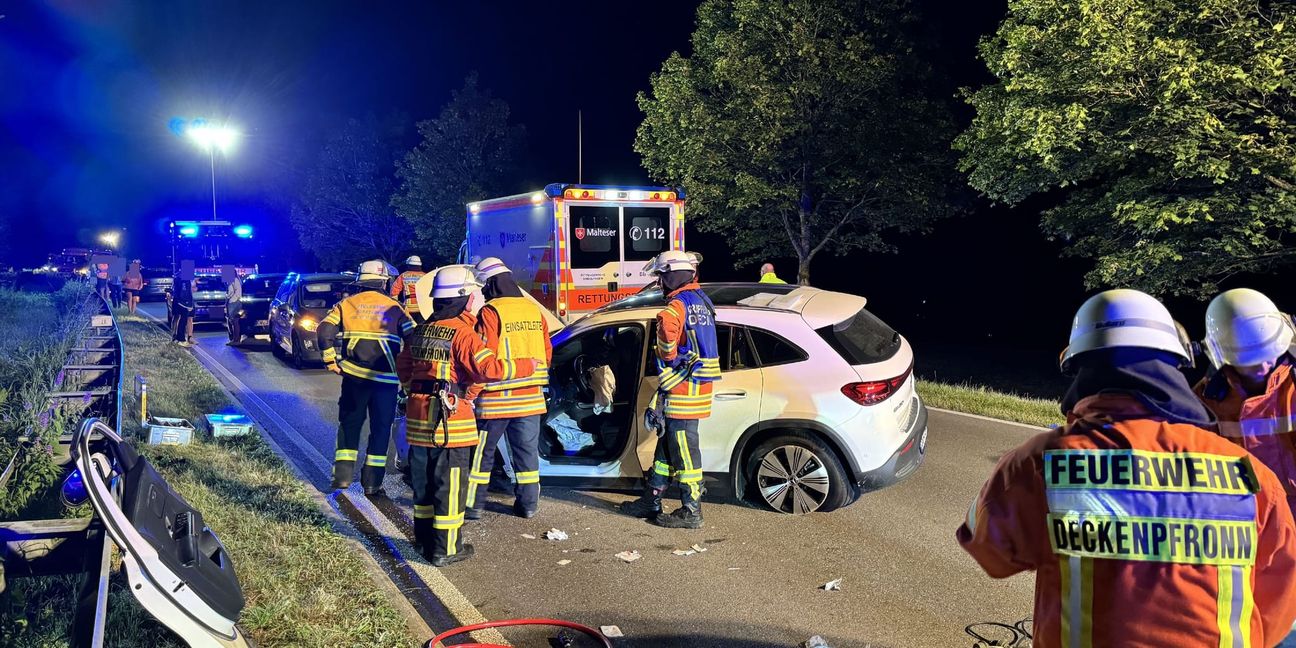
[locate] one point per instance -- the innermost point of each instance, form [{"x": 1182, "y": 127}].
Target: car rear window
[
  {"x": 322, "y": 294},
  {"x": 862, "y": 339},
  {"x": 261, "y": 286},
  {"x": 208, "y": 284}
]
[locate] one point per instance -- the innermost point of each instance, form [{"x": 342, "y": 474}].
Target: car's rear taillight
[{"x": 873, "y": 392}]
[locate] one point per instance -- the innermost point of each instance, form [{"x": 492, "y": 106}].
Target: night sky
[{"x": 90, "y": 86}]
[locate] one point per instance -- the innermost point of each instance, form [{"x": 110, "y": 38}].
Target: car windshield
[
  {"x": 209, "y": 284},
  {"x": 255, "y": 286},
  {"x": 862, "y": 339},
  {"x": 322, "y": 294},
  {"x": 721, "y": 294}
]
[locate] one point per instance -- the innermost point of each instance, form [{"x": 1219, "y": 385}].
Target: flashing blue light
[
  {"x": 189, "y": 231},
  {"x": 74, "y": 489},
  {"x": 243, "y": 231}
]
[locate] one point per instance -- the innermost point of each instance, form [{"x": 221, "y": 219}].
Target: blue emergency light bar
[
  {"x": 557, "y": 189},
  {"x": 243, "y": 231}
]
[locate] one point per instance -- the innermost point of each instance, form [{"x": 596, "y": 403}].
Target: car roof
[
  {"x": 323, "y": 276},
  {"x": 817, "y": 307},
  {"x": 266, "y": 275}
]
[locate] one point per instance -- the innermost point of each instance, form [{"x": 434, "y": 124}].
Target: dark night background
[{"x": 90, "y": 85}]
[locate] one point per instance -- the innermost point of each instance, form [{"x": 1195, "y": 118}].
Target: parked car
[
  {"x": 157, "y": 283},
  {"x": 209, "y": 299},
  {"x": 252, "y": 317},
  {"x": 300, "y": 303},
  {"x": 815, "y": 405}
]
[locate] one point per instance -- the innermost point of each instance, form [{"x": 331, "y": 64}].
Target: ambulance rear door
[{"x": 609, "y": 243}]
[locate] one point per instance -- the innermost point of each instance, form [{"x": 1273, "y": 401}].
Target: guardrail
[{"x": 88, "y": 386}]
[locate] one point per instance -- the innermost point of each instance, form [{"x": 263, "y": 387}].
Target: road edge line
[{"x": 991, "y": 419}]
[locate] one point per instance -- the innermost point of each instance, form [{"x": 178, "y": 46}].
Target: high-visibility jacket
[
  {"x": 372, "y": 326},
  {"x": 1263, "y": 424},
  {"x": 448, "y": 354},
  {"x": 514, "y": 329},
  {"x": 402, "y": 290},
  {"x": 1141, "y": 533},
  {"x": 771, "y": 278},
  {"x": 688, "y": 357}
]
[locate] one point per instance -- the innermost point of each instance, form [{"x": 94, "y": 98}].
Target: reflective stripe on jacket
[
  {"x": 514, "y": 328},
  {"x": 1141, "y": 533},
  {"x": 688, "y": 358},
  {"x": 1262, "y": 424},
  {"x": 372, "y": 326},
  {"x": 402, "y": 290},
  {"x": 448, "y": 350}
]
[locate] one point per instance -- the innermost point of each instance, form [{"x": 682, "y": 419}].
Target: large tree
[
  {"x": 466, "y": 154},
  {"x": 800, "y": 127},
  {"x": 1168, "y": 126},
  {"x": 343, "y": 214}
]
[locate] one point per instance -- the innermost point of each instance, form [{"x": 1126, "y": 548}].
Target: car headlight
[{"x": 307, "y": 324}]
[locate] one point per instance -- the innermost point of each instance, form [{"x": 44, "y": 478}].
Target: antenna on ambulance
[{"x": 580, "y": 149}]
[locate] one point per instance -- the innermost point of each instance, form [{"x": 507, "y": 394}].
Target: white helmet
[
  {"x": 376, "y": 270},
  {"x": 1125, "y": 318},
  {"x": 673, "y": 260},
  {"x": 414, "y": 260},
  {"x": 454, "y": 281},
  {"x": 1245, "y": 328},
  {"x": 489, "y": 267}
]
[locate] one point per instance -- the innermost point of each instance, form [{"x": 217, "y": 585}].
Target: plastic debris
[
  {"x": 815, "y": 642},
  {"x": 734, "y": 568},
  {"x": 833, "y": 585},
  {"x": 564, "y": 562},
  {"x": 629, "y": 556},
  {"x": 556, "y": 534},
  {"x": 528, "y": 536},
  {"x": 699, "y": 548},
  {"x": 611, "y": 632},
  {"x": 682, "y": 552}
]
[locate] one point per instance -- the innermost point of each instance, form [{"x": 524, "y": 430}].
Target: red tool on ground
[{"x": 435, "y": 642}]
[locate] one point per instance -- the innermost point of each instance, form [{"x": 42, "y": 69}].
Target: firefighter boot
[
  {"x": 462, "y": 554},
  {"x": 343, "y": 473},
  {"x": 688, "y": 516},
  {"x": 647, "y": 506},
  {"x": 371, "y": 478}
]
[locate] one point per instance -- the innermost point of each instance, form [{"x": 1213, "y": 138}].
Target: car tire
[
  {"x": 275, "y": 348},
  {"x": 298, "y": 362},
  {"x": 821, "y": 484}
]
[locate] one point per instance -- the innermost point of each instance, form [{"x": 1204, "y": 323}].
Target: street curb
[{"x": 990, "y": 419}]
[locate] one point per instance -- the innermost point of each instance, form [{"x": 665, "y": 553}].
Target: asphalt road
[{"x": 904, "y": 580}]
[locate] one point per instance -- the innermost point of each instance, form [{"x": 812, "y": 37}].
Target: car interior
[{"x": 574, "y": 433}]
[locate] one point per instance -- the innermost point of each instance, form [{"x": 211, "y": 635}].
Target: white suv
[{"x": 816, "y": 403}]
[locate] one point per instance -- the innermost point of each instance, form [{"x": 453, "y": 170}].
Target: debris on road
[
  {"x": 556, "y": 534},
  {"x": 734, "y": 568},
  {"x": 682, "y": 552},
  {"x": 833, "y": 585},
  {"x": 528, "y": 536},
  {"x": 611, "y": 632},
  {"x": 815, "y": 642},
  {"x": 629, "y": 556},
  {"x": 699, "y": 548},
  {"x": 564, "y": 562}
]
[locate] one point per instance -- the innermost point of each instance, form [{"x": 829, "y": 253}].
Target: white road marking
[{"x": 1034, "y": 428}]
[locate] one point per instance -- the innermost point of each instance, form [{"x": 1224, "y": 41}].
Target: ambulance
[{"x": 576, "y": 247}]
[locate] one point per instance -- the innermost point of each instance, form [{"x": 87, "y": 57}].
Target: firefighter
[
  {"x": 1252, "y": 391},
  {"x": 513, "y": 328},
  {"x": 402, "y": 290},
  {"x": 688, "y": 363},
  {"x": 1143, "y": 526},
  {"x": 768, "y": 276},
  {"x": 372, "y": 326},
  {"x": 441, "y": 367}
]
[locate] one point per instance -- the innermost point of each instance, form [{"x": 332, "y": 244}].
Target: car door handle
[{"x": 731, "y": 395}]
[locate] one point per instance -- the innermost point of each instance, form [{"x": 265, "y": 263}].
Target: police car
[{"x": 816, "y": 403}]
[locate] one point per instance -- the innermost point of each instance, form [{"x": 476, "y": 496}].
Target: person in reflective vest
[
  {"x": 767, "y": 275},
  {"x": 513, "y": 328},
  {"x": 1142, "y": 525},
  {"x": 441, "y": 367},
  {"x": 688, "y": 362},
  {"x": 402, "y": 289},
  {"x": 1252, "y": 391},
  {"x": 372, "y": 326}
]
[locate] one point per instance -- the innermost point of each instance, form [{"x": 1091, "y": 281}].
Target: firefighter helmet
[
  {"x": 454, "y": 281},
  {"x": 489, "y": 267},
  {"x": 673, "y": 260},
  {"x": 1245, "y": 328},
  {"x": 376, "y": 270},
  {"x": 414, "y": 260},
  {"x": 1125, "y": 318}
]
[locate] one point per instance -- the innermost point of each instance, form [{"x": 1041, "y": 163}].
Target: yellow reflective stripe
[
  {"x": 1154, "y": 539},
  {"x": 1145, "y": 470},
  {"x": 345, "y": 455},
  {"x": 329, "y": 355},
  {"x": 1064, "y": 600},
  {"x": 662, "y": 468},
  {"x": 528, "y": 477},
  {"x": 473, "y": 476},
  {"x": 445, "y": 522},
  {"x": 1248, "y": 605},
  {"x": 452, "y": 537},
  {"x": 455, "y": 425},
  {"x": 333, "y": 317},
  {"x": 368, "y": 374},
  {"x": 376, "y": 462},
  {"x": 370, "y": 335},
  {"x": 482, "y": 355},
  {"x": 424, "y": 511},
  {"x": 1077, "y": 601},
  {"x": 1224, "y": 607},
  {"x": 689, "y": 476}
]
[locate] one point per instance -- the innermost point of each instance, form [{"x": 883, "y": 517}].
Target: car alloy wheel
[{"x": 793, "y": 479}]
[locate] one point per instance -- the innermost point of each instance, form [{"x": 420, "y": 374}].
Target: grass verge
[
  {"x": 975, "y": 399},
  {"x": 304, "y": 583}
]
